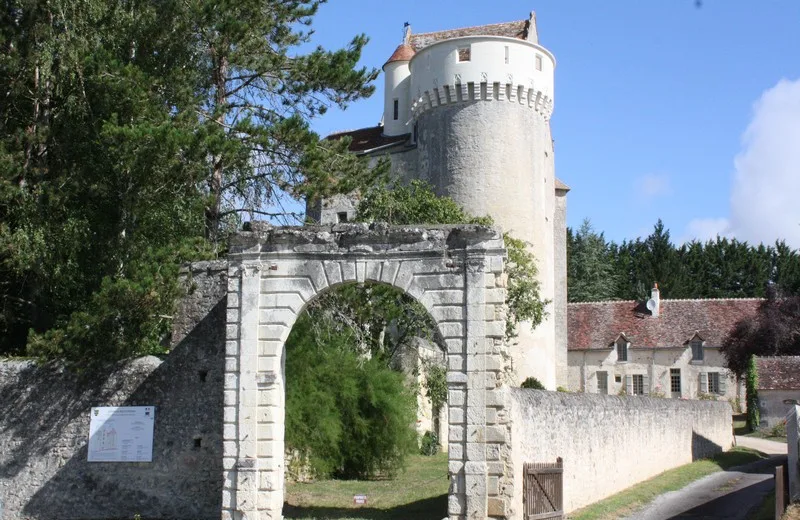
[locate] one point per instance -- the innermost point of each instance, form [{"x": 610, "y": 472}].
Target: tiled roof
[
  {"x": 596, "y": 325},
  {"x": 518, "y": 29},
  {"x": 403, "y": 52},
  {"x": 365, "y": 139},
  {"x": 778, "y": 373}
]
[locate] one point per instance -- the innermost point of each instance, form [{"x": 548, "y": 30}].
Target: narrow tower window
[
  {"x": 396, "y": 109},
  {"x": 538, "y": 62},
  {"x": 506, "y": 54},
  {"x": 464, "y": 53}
]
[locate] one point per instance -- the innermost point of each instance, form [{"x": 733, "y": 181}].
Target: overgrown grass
[
  {"x": 633, "y": 498},
  {"x": 740, "y": 428},
  {"x": 419, "y": 492}
]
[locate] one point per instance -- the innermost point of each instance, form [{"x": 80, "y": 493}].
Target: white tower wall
[
  {"x": 397, "y": 78},
  {"x": 484, "y": 140}
]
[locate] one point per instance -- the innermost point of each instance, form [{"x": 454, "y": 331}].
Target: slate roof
[
  {"x": 596, "y": 325},
  {"x": 366, "y": 139},
  {"x": 517, "y": 29},
  {"x": 778, "y": 373}
]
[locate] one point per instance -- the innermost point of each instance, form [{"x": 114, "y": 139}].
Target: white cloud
[
  {"x": 765, "y": 191},
  {"x": 765, "y": 199},
  {"x": 704, "y": 229},
  {"x": 653, "y": 185}
]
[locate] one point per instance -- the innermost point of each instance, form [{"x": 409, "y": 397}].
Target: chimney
[{"x": 654, "y": 303}]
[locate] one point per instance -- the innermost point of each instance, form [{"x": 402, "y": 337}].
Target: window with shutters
[
  {"x": 602, "y": 383},
  {"x": 638, "y": 384},
  {"x": 713, "y": 383},
  {"x": 622, "y": 350},
  {"x": 675, "y": 381},
  {"x": 697, "y": 349}
]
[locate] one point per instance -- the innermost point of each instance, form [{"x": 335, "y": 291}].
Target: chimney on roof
[
  {"x": 654, "y": 303},
  {"x": 533, "y": 31}
]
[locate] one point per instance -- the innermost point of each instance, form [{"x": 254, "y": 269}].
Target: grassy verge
[
  {"x": 740, "y": 428},
  {"x": 420, "y": 492},
  {"x": 633, "y": 498}
]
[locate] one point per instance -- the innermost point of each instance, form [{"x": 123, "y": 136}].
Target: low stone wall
[
  {"x": 609, "y": 443},
  {"x": 44, "y": 426}
]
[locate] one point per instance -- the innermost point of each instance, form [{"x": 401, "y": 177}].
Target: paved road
[{"x": 730, "y": 495}]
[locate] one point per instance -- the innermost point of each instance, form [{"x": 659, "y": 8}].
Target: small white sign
[
  {"x": 359, "y": 499},
  {"x": 121, "y": 434}
]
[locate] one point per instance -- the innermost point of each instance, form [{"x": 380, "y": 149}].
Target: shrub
[
  {"x": 348, "y": 415},
  {"x": 561, "y": 389},
  {"x": 751, "y": 395},
  {"x": 429, "y": 445},
  {"x": 533, "y": 383},
  {"x": 779, "y": 430}
]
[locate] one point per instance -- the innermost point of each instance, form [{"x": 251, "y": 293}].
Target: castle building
[{"x": 468, "y": 110}]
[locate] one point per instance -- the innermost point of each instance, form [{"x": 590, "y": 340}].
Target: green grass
[
  {"x": 633, "y": 498},
  {"x": 740, "y": 428},
  {"x": 420, "y": 492}
]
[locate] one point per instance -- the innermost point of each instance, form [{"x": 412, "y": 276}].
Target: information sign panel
[{"x": 121, "y": 434}]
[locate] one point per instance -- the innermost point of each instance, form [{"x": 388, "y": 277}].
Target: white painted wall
[
  {"x": 438, "y": 65},
  {"x": 397, "y": 78},
  {"x": 656, "y": 364},
  {"x": 609, "y": 443}
]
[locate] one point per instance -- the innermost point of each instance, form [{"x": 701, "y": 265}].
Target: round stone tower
[{"x": 481, "y": 107}]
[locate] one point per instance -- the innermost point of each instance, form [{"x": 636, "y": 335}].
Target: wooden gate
[{"x": 544, "y": 490}]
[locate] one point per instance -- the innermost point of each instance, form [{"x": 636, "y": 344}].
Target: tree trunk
[{"x": 215, "y": 183}]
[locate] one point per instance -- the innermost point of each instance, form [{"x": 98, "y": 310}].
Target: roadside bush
[
  {"x": 350, "y": 416},
  {"x": 533, "y": 383},
  {"x": 430, "y": 444}
]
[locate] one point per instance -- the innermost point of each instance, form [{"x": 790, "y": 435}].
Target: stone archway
[{"x": 456, "y": 272}]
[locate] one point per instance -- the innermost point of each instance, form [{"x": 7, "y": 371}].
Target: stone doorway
[{"x": 455, "y": 272}]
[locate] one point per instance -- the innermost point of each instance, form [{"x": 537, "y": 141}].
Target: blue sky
[{"x": 662, "y": 109}]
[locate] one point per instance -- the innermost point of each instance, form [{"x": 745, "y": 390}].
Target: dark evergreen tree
[{"x": 590, "y": 272}]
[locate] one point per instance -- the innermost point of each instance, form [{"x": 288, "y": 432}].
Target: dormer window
[
  {"x": 697, "y": 350},
  {"x": 622, "y": 348},
  {"x": 696, "y": 344}
]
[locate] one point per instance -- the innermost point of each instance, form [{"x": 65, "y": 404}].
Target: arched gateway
[{"x": 456, "y": 272}]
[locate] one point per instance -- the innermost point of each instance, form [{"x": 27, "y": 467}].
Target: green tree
[
  {"x": 591, "y": 275},
  {"x": 98, "y": 169},
  {"x": 347, "y": 414},
  {"x": 132, "y": 129},
  {"x": 258, "y": 91},
  {"x": 416, "y": 203}
]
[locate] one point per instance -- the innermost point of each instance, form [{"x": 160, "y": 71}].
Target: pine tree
[
  {"x": 590, "y": 273},
  {"x": 258, "y": 94}
]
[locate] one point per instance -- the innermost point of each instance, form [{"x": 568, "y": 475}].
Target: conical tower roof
[{"x": 403, "y": 52}]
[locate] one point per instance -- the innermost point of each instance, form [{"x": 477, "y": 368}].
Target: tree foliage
[
  {"x": 590, "y": 269},
  {"x": 131, "y": 130},
  {"x": 348, "y": 414},
  {"x": 773, "y": 331},
  {"x": 416, "y": 203},
  {"x": 751, "y": 395},
  {"x": 721, "y": 268}
]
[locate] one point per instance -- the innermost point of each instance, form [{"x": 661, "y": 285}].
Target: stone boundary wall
[
  {"x": 793, "y": 441},
  {"x": 609, "y": 443},
  {"x": 44, "y": 425}
]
